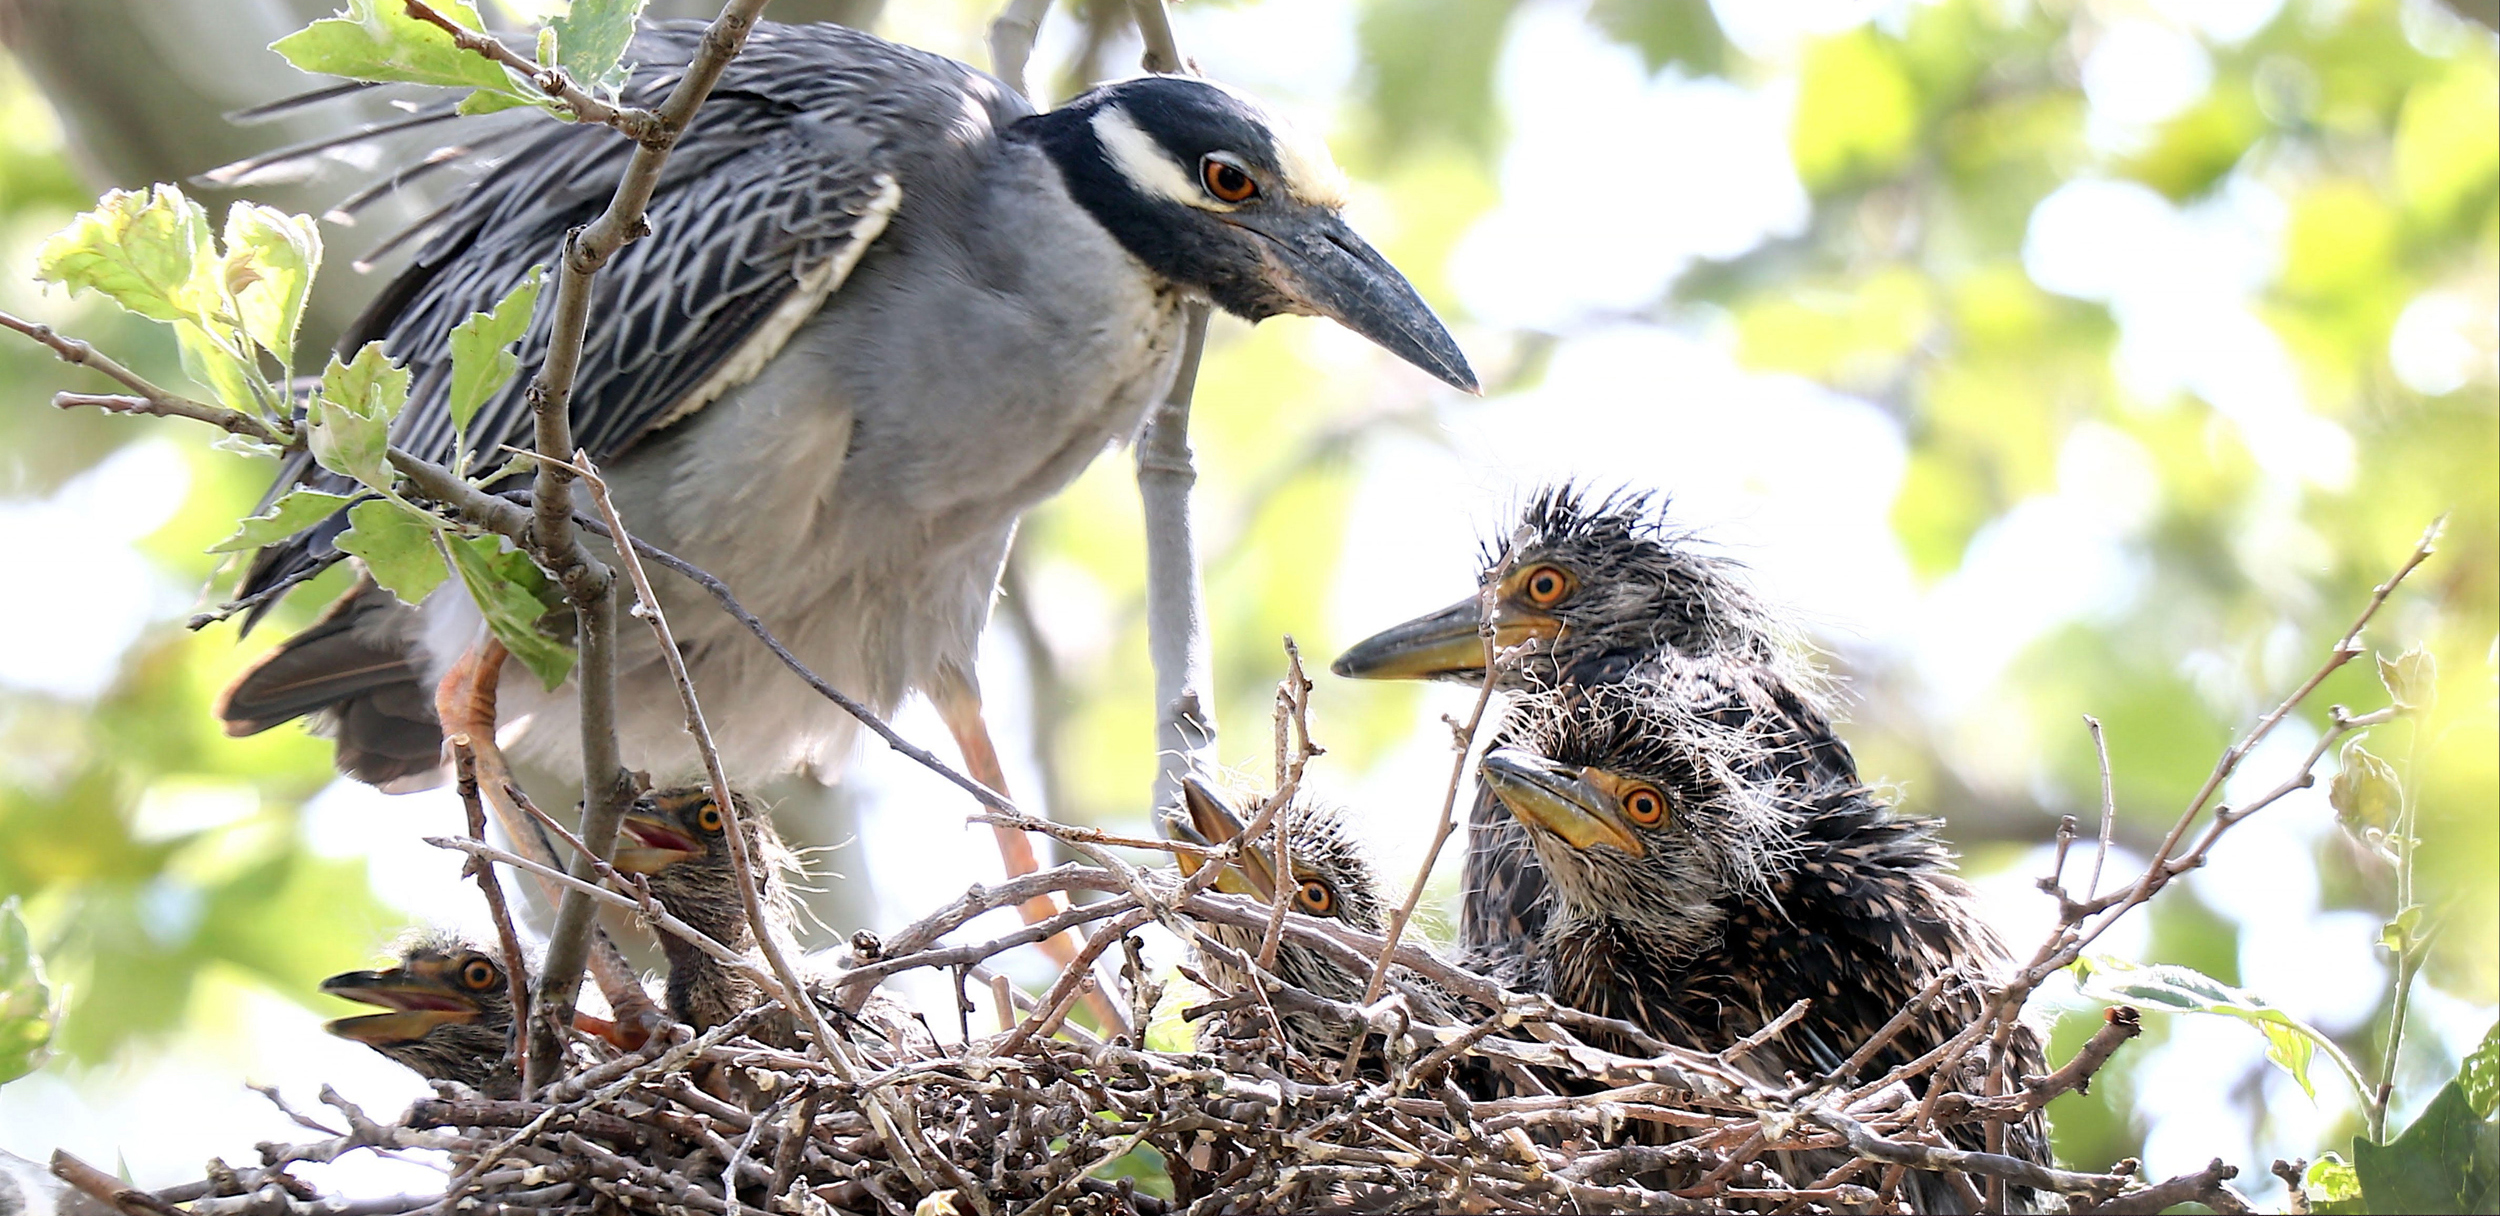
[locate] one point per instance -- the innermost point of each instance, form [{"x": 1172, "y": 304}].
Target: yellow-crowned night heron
[
  {"x": 1594, "y": 589},
  {"x": 1700, "y": 904},
  {"x": 450, "y": 1012},
  {"x": 849, "y": 451},
  {"x": 679, "y": 841}
]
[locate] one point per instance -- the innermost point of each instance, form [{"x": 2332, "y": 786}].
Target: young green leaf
[
  {"x": 2411, "y": 679},
  {"x": 2290, "y": 1042},
  {"x": 370, "y": 384},
  {"x": 2365, "y": 793},
  {"x": 2401, "y": 934},
  {"x": 2480, "y": 1074},
  {"x": 2330, "y": 1179},
  {"x": 215, "y": 360},
  {"x": 2448, "y": 1161},
  {"x": 141, "y": 249},
  {"x": 27, "y": 1011},
  {"x": 348, "y": 442},
  {"x": 378, "y": 40},
  {"x": 590, "y": 41},
  {"x": 298, "y": 510},
  {"x": 397, "y": 545},
  {"x": 482, "y": 361},
  {"x": 513, "y": 595},
  {"x": 271, "y": 258}
]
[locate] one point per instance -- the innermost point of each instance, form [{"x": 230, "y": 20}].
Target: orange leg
[
  {"x": 464, "y": 703},
  {"x": 959, "y": 703}
]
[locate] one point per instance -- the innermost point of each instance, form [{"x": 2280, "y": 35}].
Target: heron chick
[
  {"x": 1700, "y": 905},
  {"x": 450, "y": 1012},
  {"x": 1591, "y": 588},
  {"x": 678, "y": 840}
]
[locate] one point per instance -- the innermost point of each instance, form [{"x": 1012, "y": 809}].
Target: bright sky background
[{"x": 1796, "y": 479}]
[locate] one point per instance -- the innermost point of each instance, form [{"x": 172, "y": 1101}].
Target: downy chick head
[
  {"x": 1581, "y": 581},
  {"x": 449, "y": 1004},
  {"x": 1637, "y": 810},
  {"x": 1333, "y": 878},
  {"x": 678, "y": 840}
]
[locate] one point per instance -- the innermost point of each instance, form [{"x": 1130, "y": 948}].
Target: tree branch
[
  {"x": 641, "y": 126},
  {"x": 149, "y": 399}
]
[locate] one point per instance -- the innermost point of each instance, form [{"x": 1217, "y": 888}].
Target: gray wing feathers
[{"x": 787, "y": 173}]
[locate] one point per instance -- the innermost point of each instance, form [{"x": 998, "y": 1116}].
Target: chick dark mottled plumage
[
  {"x": 678, "y": 840},
  {"x": 1333, "y": 878},
  {"x": 1700, "y": 905},
  {"x": 450, "y": 1013},
  {"x": 1595, "y": 589}
]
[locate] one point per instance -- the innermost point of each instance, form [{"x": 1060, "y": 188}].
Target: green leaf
[
  {"x": 2411, "y": 678},
  {"x": 2403, "y": 933},
  {"x": 488, "y": 101},
  {"x": 482, "y": 361},
  {"x": 349, "y": 443},
  {"x": 141, "y": 249},
  {"x": 2448, "y": 1161},
  {"x": 2330, "y": 1179},
  {"x": 2290, "y": 1042},
  {"x": 217, "y": 364},
  {"x": 298, "y": 510},
  {"x": 378, "y": 40},
  {"x": 397, "y": 545},
  {"x": 27, "y": 1010},
  {"x": 2480, "y": 1074},
  {"x": 369, "y": 384},
  {"x": 513, "y": 595},
  {"x": 271, "y": 258},
  {"x": 590, "y": 41},
  {"x": 2365, "y": 794}
]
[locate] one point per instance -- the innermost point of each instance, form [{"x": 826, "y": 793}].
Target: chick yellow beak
[
  {"x": 1558, "y": 799},
  {"x": 1443, "y": 645},
  {"x": 1213, "y": 823}
]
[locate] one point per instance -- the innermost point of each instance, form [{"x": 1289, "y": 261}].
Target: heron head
[
  {"x": 448, "y": 1003},
  {"x": 678, "y": 839},
  {"x": 1579, "y": 581},
  {"x": 1213, "y": 192},
  {"x": 1636, "y": 806}
]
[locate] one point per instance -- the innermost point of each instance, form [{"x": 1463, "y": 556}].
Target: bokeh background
[{"x": 2051, "y": 357}]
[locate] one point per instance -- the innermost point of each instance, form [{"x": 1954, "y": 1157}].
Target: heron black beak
[
  {"x": 1316, "y": 261},
  {"x": 1444, "y": 645},
  {"x": 420, "y": 998},
  {"x": 1558, "y": 799},
  {"x": 1213, "y": 823},
  {"x": 656, "y": 844}
]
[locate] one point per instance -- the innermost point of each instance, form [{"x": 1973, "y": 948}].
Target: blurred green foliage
[{"x": 1927, "y": 141}]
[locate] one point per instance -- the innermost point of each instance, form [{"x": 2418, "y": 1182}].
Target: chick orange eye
[
  {"x": 708, "y": 818},
  {"x": 1546, "y": 586},
  {"x": 1645, "y": 805},
  {"x": 1316, "y": 898},
  {"x": 1226, "y": 180},
  {"x": 478, "y": 974}
]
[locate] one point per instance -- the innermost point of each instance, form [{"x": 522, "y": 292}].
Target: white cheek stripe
[
  {"x": 1142, "y": 160},
  {"x": 1310, "y": 173}
]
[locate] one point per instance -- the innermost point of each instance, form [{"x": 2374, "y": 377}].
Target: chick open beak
[
  {"x": 1212, "y": 823},
  {"x": 651, "y": 845},
  {"x": 1558, "y": 799},
  {"x": 418, "y": 999},
  {"x": 1444, "y": 645}
]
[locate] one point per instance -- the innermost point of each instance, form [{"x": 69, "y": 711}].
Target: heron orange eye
[
  {"x": 1546, "y": 586},
  {"x": 478, "y": 975},
  {"x": 708, "y": 818},
  {"x": 1315, "y": 897},
  {"x": 1645, "y": 805},
  {"x": 1226, "y": 180}
]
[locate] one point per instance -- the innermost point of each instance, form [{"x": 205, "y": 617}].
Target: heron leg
[
  {"x": 958, "y": 701},
  {"x": 465, "y": 704}
]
